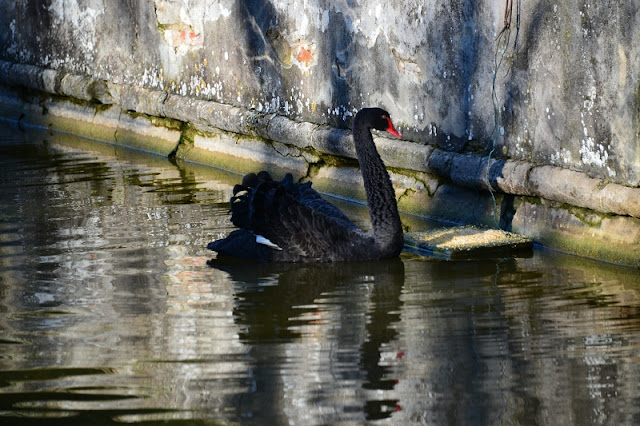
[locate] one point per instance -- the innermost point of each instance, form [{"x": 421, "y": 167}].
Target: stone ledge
[
  {"x": 615, "y": 239},
  {"x": 507, "y": 176},
  {"x": 526, "y": 179},
  {"x": 157, "y": 124}
]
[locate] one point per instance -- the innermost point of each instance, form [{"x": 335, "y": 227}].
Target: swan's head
[{"x": 378, "y": 119}]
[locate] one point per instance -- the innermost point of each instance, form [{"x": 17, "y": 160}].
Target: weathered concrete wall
[
  {"x": 259, "y": 81},
  {"x": 568, "y": 92}
]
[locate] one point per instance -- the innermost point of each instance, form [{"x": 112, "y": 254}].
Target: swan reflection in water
[{"x": 331, "y": 321}]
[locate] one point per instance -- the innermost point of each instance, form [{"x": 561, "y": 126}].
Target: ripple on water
[{"x": 110, "y": 313}]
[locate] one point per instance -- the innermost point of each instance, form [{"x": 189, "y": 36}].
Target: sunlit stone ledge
[{"x": 429, "y": 181}]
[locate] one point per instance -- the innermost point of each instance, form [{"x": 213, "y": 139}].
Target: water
[{"x": 109, "y": 313}]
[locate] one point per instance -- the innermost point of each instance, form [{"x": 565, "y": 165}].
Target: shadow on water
[{"x": 274, "y": 303}]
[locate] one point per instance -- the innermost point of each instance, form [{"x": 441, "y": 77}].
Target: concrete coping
[{"x": 483, "y": 173}]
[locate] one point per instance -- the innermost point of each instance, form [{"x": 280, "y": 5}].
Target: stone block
[
  {"x": 612, "y": 238},
  {"x": 455, "y": 204},
  {"x": 245, "y": 154},
  {"x": 67, "y": 116},
  {"x": 404, "y": 154},
  {"x": 140, "y": 132},
  {"x": 290, "y": 132}
]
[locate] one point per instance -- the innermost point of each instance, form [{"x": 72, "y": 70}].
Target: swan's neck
[{"x": 383, "y": 209}]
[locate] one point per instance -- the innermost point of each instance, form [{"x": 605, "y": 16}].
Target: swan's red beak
[{"x": 391, "y": 129}]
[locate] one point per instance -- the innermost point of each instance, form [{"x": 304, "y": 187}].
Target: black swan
[{"x": 284, "y": 221}]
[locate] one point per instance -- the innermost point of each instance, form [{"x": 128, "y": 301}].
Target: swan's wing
[
  {"x": 266, "y": 207},
  {"x": 312, "y": 199}
]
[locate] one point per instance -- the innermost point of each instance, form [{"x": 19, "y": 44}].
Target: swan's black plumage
[{"x": 302, "y": 226}]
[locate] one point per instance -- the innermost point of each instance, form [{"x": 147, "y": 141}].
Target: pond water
[{"x": 109, "y": 313}]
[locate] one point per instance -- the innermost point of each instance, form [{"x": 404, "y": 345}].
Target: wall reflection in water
[{"x": 109, "y": 311}]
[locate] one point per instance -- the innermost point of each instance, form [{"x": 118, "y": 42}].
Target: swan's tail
[
  {"x": 253, "y": 201},
  {"x": 283, "y": 212}
]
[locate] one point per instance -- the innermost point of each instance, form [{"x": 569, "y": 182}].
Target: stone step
[{"x": 467, "y": 242}]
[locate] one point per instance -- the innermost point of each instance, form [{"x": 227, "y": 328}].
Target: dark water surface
[{"x": 110, "y": 314}]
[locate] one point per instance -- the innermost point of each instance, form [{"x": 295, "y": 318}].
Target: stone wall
[{"x": 275, "y": 82}]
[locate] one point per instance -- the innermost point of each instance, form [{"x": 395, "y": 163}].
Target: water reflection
[
  {"x": 515, "y": 341},
  {"x": 110, "y": 313},
  {"x": 301, "y": 307}
]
